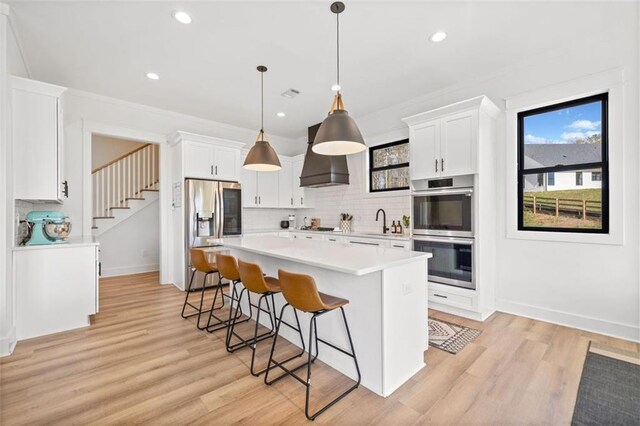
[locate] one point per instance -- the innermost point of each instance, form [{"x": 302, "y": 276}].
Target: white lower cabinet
[{"x": 57, "y": 288}]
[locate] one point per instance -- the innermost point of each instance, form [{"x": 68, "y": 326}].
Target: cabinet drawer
[
  {"x": 452, "y": 299},
  {"x": 405, "y": 245}
]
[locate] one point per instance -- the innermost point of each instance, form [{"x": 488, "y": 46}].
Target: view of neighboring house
[{"x": 545, "y": 155}]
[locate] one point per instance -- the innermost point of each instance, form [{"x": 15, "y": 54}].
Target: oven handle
[
  {"x": 442, "y": 192},
  {"x": 465, "y": 241}
]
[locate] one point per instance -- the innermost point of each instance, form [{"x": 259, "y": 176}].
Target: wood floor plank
[{"x": 140, "y": 363}]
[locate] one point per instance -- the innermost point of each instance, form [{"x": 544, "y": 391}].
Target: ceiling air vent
[{"x": 290, "y": 93}]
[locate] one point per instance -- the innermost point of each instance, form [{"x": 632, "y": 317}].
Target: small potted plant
[{"x": 406, "y": 221}]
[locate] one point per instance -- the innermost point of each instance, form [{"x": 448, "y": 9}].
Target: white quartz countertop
[
  {"x": 347, "y": 258},
  {"x": 388, "y": 236},
  {"x": 88, "y": 240}
]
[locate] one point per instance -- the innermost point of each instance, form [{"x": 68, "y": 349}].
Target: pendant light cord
[
  {"x": 338, "y": 51},
  {"x": 261, "y": 105}
]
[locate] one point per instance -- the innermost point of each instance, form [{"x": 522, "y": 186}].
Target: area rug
[
  {"x": 450, "y": 337},
  {"x": 609, "y": 391}
]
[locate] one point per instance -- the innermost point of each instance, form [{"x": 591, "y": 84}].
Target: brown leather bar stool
[
  {"x": 228, "y": 269},
  {"x": 254, "y": 281},
  {"x": 301, "y": 293},
  {"x": 200, "y": 263}
]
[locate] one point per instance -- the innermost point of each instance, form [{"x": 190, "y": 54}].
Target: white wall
[
  {"x": 133, "y": 245},
  {"x": 105, "y": 149}
]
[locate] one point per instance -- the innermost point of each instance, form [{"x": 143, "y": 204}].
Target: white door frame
[{"x": 89, "y": 129}]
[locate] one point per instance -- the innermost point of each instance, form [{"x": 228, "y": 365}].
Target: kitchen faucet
[{"x": 384, "y": 220}]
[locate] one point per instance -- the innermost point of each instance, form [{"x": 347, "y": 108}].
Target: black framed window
[
  {"x": 389, "y": 166},
  {"x": 558, "y": 147}
]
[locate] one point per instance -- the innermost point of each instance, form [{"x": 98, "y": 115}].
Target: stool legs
[
  {"x": 224, "y": 323},
  {"x": 198, "y": 309},
  {"x": 313, "y": 337}
]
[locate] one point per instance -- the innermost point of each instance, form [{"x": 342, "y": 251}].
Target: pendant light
[
  {"x": 338, "y": 134},
  {"x": 262, "y": 157}
]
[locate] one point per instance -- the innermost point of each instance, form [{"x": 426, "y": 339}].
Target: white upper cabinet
[
  {"x": 226, "y": 163},
  {"x": 37, "y": 140},
  {"x": 285, "y": 184},
  {"x": 425, "y": 150},
  {"x": 249, "y": 183},
  {"x": 302, "y": 198},
  {"x": 210, "y": 158},
  {"x": 444, "y": 142},
  {"x": 198, "y": 160},
  {"x": 459, "y": 144},
  {"x": 268, "y": 183}
]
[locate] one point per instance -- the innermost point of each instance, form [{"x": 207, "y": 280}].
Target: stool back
[
  {"x": 300, "y": 291},
  {"x": 199, "y": 260},
  {"x": 252, "y": 277},
  {"x": 227, "y": 266}
]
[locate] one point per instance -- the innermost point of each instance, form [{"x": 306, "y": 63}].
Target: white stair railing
[{"x": 123, "y": 179}]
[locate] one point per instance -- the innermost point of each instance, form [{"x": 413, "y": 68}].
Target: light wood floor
[{"x": 139, "y": 362}]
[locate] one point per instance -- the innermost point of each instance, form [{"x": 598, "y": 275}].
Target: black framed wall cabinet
[
  {"x": 389, "y": 167},
  {"x": 563, "y": 167}
]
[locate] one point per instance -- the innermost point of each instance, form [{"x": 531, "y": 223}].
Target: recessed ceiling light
[
  {"x": 335, "y": 87},
  {"x": 281, "y": 114},
  {"x": 152, "y": 76},
  {"x": 438, "y": 36},
  {"x": 182, "y": 17}
]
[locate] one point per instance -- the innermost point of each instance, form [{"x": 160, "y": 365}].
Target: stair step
[
  {"x": 151, "y": 190},
  {"x": 119, "y": 208},
  {"x": 134, "y": 198},
  {"x": 104, "y": 217}
]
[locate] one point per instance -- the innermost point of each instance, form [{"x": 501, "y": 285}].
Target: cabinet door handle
[
  {"x": 65, "y": 189},
  {"x": 398, "y": 246},
  {"x": 291, "y": 200},
  {"x": 309, "y": 238},
  {"x": 436, "y": 165},
  {"x": 302, "y": 201},
  {"x": 212, "y": 169},
  {"x": 439, "y": 295},
  {"x": 216, "y": 170},
  {"x": 442, "y": 164},
  {"x": 259, "y": 200},
  {"x": 255, "y": 200}
]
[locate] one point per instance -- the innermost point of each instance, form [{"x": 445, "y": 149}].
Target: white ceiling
[{"x": 207, "y": 68}]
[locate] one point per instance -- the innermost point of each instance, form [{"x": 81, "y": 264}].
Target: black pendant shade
[
  {"x": 262, "y": 157},
  {"x": 339, "y": 133}
]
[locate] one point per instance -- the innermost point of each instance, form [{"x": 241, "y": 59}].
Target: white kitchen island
[{"x": 387, "y": 313}]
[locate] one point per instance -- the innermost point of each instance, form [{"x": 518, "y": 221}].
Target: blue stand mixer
[{"x": 48, "y": 227}]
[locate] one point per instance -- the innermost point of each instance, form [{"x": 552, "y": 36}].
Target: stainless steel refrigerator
[{"x": 213, "y": 210}]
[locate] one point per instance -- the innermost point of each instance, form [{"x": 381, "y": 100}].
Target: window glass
[
  {"x": 389, "y": 166},
  {"x": 562, "y": 167}
]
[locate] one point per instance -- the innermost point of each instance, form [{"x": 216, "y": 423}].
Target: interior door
[
  {"x": 459, "y": 144},
  {"x": 424, "y": 144}
]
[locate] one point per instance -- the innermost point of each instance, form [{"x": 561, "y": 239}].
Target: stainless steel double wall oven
[{"x": 443, "y": 225}]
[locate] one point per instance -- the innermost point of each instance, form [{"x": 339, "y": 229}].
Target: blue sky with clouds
[{"x": 564, "y": 125}]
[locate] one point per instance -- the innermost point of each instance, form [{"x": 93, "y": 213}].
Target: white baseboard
[
  {"x": 608, "y": 328},
  {"x": 8, "y": 343},
  {"x": 128, "y": 270}
]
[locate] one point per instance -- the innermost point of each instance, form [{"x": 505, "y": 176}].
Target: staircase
[{"x": 123, "y": 187}]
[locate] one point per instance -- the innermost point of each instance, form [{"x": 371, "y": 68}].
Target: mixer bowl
[{"x": 57, "y": 231}]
